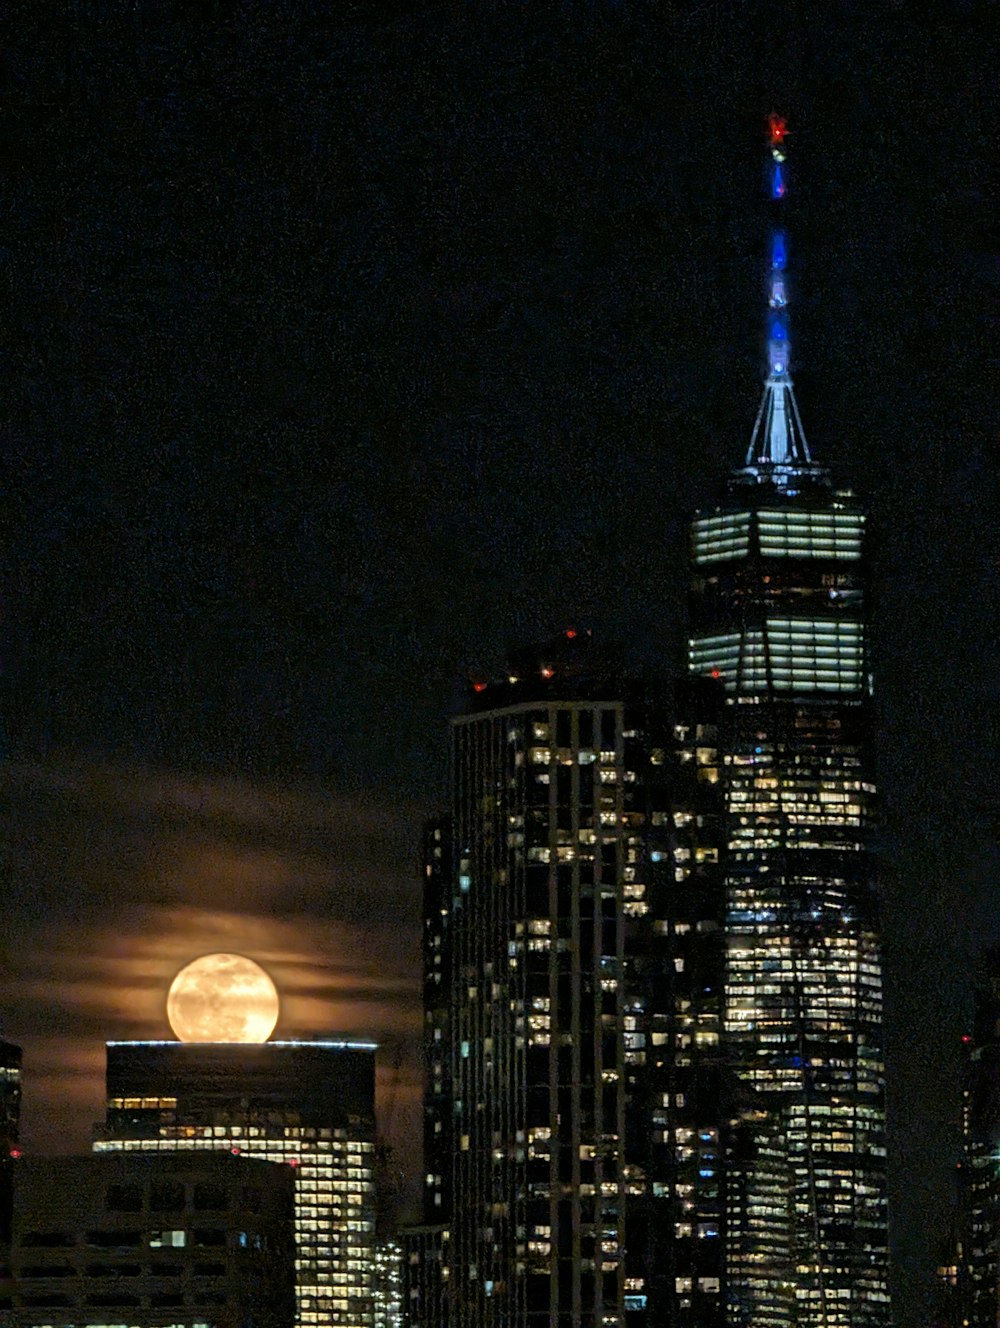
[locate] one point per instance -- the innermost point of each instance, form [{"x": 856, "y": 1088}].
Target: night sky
[{"x": 343, "y": 346}]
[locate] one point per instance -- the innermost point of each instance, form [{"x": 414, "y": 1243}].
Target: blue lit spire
[{"x": 778, "y": 451}]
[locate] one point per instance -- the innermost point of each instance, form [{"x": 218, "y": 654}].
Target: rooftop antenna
[{"x": 778, "y": 451}]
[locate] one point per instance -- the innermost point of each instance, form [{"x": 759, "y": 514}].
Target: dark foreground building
[
  {"x": 310, "y": 1105},
  {"x": 195, "y": 1240},
  {"x": 10, "y": 1124}
]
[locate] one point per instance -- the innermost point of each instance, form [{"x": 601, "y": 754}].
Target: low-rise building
[{"x": 139, "y": 1240}]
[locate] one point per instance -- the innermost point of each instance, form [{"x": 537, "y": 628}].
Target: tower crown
[{"x": 778, "y": 453}]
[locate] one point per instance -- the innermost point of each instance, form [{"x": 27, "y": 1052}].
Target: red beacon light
[
  {"x": 777, "y": 127},
  {"x": 547, "y": 672},
  {"x": 235, "y": 1152},
  {"x": 479, "y": 687},
  {"x": 293, "y": 1161},
  {"x": 15, "y": 1153},
  {"x": 716, "y": 673},
  {"x": 570, "y": 633},
  {"x": 966, "y": 1038}
]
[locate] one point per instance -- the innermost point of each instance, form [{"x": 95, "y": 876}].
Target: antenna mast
[{"x": 778, "y": 451}]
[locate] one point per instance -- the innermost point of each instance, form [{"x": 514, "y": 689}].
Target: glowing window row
[{"x": 788, "y": 654}]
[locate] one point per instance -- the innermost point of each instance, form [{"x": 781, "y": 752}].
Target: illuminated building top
[
  {"x": 341, "y": 1044},
  {"x": 309, "y": 1105}
]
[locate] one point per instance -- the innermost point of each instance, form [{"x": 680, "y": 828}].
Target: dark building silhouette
[
  {"x": 152, "y": 1239},
  {"x": 679, "y": 1098},
  {"x": 425, "y": 1247},
  {"x": 310, "y": 1105},
  {"x": 10, "y": 1125},
  {"x": 425, "y": 1276}
]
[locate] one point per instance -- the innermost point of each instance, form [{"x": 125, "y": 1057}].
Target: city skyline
[
  {"x": 177, "y": 719},
  {"x": 654, "y": 1065}
]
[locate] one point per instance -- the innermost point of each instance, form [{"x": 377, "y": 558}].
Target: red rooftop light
[
  {"x": 777, "y": 127},
  {"x": 716, "y": 673},
  {"x": 570, "y": 633},
  {"x": 547, "y": 672},
  {"x": 15, "y": 1153},
  {"x": 479, "y": 687}
]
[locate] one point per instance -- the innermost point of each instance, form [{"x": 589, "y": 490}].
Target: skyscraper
[
  {"x": 579, "y": 923},
  {"x": 425, "y": 1276},
  {"x": 779, "y": 576},
  {"x": 388, "y": 1304},
  {"x": 310, "y": 1105},
  {"x": 537, "y": 930}
]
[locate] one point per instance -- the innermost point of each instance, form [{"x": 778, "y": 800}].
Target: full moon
[{"x": 222, "y": 998}]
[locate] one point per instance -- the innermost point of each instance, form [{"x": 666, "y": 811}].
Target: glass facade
[
  {"x": 309, "y": 1105},
  {"x": 426, "y": 1269},
  {"x": 785, "y": 655},
  {"x": 835, "y": 533},
  {"x": 540, "y": 852},
  {"x": 778, "y": 618},
  {"x": 583, "y": 940}
]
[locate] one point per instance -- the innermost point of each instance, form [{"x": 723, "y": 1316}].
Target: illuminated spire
[{"x": 778, "y": 451}]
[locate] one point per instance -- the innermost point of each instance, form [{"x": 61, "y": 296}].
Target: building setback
[
  {"x": 310, "y": 1105},
  {"x": 189, "y": 1240}
]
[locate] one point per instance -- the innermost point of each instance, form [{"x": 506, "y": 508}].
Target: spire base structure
[{"x": 778, "y": 453}]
